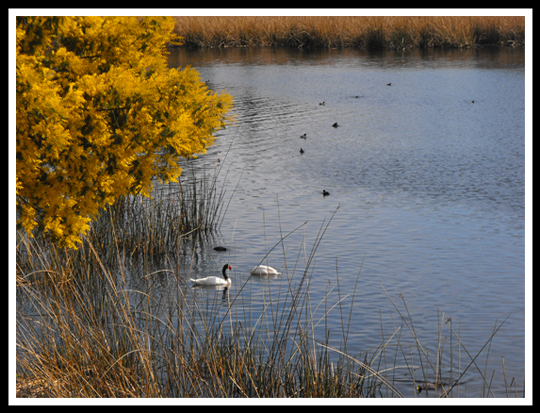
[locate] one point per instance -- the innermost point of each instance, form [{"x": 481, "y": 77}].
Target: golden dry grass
[
  {"x": 85, "y": 331},
  {"x": 395, "y": 32}
]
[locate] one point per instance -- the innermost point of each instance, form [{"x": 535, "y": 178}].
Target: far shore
[{"x": 392, "y": 32}]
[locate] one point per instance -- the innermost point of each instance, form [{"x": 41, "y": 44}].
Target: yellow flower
[{"x": 99, "y": 115}]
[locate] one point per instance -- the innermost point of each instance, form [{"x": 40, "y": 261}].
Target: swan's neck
[{"x": 225, "y": 273}]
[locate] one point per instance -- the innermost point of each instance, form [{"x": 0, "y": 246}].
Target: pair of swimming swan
[{"x": 258, "y": 270}]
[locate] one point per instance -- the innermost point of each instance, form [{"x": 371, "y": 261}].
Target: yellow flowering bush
[{"x": 99, "y": 115}]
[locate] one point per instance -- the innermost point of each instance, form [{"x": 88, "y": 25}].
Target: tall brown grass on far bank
[{"x": 394, "y": 32}]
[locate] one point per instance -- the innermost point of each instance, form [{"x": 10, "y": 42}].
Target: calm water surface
[{"x": 430, "y": 188}]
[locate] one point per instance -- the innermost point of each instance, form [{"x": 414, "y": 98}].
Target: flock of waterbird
[
  {"x": 264, "y": 270},
  {"x": 304, "y": 136},
  {"x": 259, "y": 270}
]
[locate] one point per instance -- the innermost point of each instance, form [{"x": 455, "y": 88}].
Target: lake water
[{"x": 430, "y": 189}]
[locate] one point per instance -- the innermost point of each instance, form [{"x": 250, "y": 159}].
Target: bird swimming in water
[
  {"x": 389, "y": 84},
  {"x": 426, "y": 386},
  {"x": 264, "y": 270},
  {"x": 301, "y": 150},
  {"x": 215, "y": 280},
  {"x": 335, "y": 125},
  {"x": 321, "y": 104},
  {"x": 325, "y": 192},
  {"x": 303, "y": 136}
]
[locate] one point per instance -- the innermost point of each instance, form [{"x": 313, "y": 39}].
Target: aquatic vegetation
[
  {"x": 97, "y": 322},
  {"x": 394, "y": 32}
]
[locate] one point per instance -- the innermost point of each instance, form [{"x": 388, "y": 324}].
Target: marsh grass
[
  {"x": 179, "y": 212},
  {"x": 83, "y": 332},
  {"x": 101, "y": 321},
  {"x": 394, "y": 32}
]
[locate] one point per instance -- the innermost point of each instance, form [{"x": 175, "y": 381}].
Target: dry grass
[
  {"x": 102, "y": 321},
  {"x": 400, "y": 32},
  {"x": 85, "y": 330}
]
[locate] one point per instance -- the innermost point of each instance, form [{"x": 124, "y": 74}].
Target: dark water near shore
[{"x": 430, "y": 188}]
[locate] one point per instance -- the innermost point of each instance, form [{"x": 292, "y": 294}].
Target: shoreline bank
[{"x": 391, "y": 32}]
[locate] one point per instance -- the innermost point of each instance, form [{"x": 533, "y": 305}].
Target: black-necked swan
[
  {"x": 264, "y": 270},
  {"x": 215, "y": 280}
]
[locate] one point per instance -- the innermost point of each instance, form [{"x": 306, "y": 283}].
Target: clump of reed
[
  {"x": 89, "y": 324},
  {"x": 193, "y": 208},
  {"x": 83, "y": 330},
  {"x": 394, "y": 32}
]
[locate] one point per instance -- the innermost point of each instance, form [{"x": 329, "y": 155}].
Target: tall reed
[
  {"x": 394, "y": 32},
  {"x": 162, "y": 224},
  {"x": 102, "y": 322},
  {"x": 84, "y": 330}
]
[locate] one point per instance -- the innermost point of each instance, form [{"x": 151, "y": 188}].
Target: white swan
[
  {"x": 215, "y": 280},
  {"x": 264, "y": 270}
]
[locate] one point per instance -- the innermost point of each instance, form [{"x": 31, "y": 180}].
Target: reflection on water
[
  {"x": 430, "y": 185},
  {"x": 415, "y": 59}
]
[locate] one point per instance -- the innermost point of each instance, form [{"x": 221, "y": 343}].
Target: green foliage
[{"x": 99, "y": 115}]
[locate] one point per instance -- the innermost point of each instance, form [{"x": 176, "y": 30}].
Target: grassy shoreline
[
  {"x": 104, "y": 321},
  {"x": 393, "y": 32}
]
